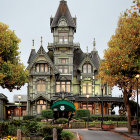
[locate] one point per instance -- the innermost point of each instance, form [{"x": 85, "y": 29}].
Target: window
[
  {"x": 64, "y": 69},
  {"x": 41, "y": 105},
  {"x": 87, "y": 68},
  {"x": 63, "y": 87},
  {"x": 41, "y": 86},
  {"x": 63, "y": 37},
  {"x": 41, "y": 68},
  {"x": 87, "y": 88},
  {"x": 63, "y": 60}
]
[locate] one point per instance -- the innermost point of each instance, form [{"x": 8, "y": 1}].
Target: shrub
[
  {"x": 3, "y": 129},
  {"x": 12, "y": 130},
  {"x": 28, "y": 117},
  {"x": 67, "y": 135},
  {"x": 80, "y": 113},
  {"x": 33, "y": 127},
  {"x": 61, "y": 121},
  {"x": 38, "y": 119},
  {"x": 47, "y": 114},
  {"x": 108, "y": 122},
  {"x": 47, "y": 130}
]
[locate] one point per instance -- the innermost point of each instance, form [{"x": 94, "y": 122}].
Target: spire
[
  {"x": 32, "y": 53},
  {"x": 63, "y": 11},
  {"x": 94, "y": 44}
]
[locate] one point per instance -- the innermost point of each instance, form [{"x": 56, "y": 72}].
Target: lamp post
[
  {"x": 19, "y": 98},
  {"x": 87, "y": 109},
  {"x": 102, "y": 88},
  {"x": 137, "y": 78}
]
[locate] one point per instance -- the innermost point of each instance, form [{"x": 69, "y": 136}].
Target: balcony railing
[{"x": 64, "y": 43}]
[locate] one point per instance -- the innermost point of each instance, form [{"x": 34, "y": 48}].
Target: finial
[
  {"x": 33, "y": 45},
  {"x": 87, "y": 49},
  {"x": 94, "y": 44},
  {"x": 41, "y": 40}
]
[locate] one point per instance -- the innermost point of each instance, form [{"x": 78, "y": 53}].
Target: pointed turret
[
  {"x": 63, "y": 11},
  {"x": 32, "y": 54}
]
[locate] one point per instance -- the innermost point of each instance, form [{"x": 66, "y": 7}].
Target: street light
[
  {"x": 19, "y": 98},
  {"x": 102, "y": 88},
  {"x": 87, "y": 108},
  {"x": 137, "y": 78}
]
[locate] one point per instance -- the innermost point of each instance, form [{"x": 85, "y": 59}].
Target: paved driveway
[{"x": 97, "y": 135}]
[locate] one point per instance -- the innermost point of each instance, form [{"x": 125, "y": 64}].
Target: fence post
[
  {"x": 54, "y": 134},
  {"x": 18, "y": 134}
]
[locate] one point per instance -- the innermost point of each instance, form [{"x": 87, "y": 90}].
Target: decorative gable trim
[
  {"x": 39, "y": 96},
  {"x": 87, "y": 59}
]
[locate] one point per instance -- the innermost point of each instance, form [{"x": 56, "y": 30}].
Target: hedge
[
  {"x": 47, "y": 131},
  {"x": 82, "y": 113}
]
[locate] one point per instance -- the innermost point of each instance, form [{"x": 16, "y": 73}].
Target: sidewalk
[{"x": 122, "y": 131}]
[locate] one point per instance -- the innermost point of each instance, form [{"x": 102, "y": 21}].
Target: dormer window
[
  {"x": 42, "y": 68},
  {"x": 87, "y": 68},
  {"x": 63, "y": 37}
]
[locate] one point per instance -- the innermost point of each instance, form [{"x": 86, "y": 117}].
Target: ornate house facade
[{"x": 62, "y": 77}]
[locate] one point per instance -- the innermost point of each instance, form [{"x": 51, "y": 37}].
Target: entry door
[{"x": 41, "y": 105}]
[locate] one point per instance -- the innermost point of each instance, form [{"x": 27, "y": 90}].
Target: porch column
[
  {"x": 97, "y": 108},
  {"x": 28, "y": 108},
  {"x": 110, "y": 109}
]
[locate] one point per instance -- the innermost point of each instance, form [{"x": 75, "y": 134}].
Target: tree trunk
[{"x": 127, "y": 105}]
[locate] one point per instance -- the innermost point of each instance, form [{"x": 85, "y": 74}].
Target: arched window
[
  {"x": 41, "y": 86},
  {"x": 87, "y": 68},
  {"x": 41, "y": 67}
]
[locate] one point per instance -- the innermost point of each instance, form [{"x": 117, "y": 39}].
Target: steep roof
[
  {"x": 63, "y": 11},
  {"x": 3, "y": 97},
  {"x": 32, "y": 55}
]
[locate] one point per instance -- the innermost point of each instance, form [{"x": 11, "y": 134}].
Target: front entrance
[
  {"x": 63, "y": 109},
  {"x": 61, "y": 115}
]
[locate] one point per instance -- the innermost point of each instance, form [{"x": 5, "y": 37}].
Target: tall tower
[{"x": 63, "y": 27}]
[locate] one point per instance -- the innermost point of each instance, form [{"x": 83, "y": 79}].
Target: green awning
[{"x": 63, "y": 105}]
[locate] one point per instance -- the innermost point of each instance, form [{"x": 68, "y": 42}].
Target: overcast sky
[{"x": 31, "y": 19}]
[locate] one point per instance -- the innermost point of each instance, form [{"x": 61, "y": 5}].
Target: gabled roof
[
  {"x": 63, "y": 11},
  {"x": 86, "y": 59},
  {"x": 41, "y": 52},
  {"x": 32, "y": 55},
  {"x": 95, "y": 58}
]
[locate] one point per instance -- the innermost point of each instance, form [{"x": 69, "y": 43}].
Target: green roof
[{"x": 63, "y": 105}]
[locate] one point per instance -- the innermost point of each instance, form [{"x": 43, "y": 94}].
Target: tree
[
  {"x": 122, "y": 59},
  {"x": 12, "y": 73},
  {"x": 133, "y": 108}
]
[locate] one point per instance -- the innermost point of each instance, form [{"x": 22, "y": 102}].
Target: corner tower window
[
  {"x": 87, "y": 68},
  {"x": 63, "y": 37}
]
